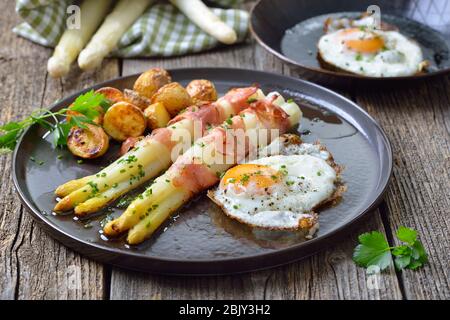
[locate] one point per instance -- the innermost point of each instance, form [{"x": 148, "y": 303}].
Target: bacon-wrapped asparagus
[
  {"x": 201, "y": 166},
  {"x": 151, "y": 155}
]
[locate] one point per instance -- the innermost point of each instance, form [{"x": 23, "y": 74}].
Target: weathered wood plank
[
  {"x": 328, "y": 275},
  {"x": 417, "y": 122},
  {"x": 33, "y": 265}
]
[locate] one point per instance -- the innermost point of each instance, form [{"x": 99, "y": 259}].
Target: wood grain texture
[
  {"x": 328, "y": 275},
  {"x": 33, "y": 265},
  {"x": 417, "y": 121}
]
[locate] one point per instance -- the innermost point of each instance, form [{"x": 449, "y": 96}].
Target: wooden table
[{"x": 417, "y": 121}]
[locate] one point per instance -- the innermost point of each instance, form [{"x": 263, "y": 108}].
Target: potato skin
[
  {"x": 202, "y": 90},
  {"x": 157, "y": 116},
  {"x": 112, "y": 94},
  {"x": 123, "y": 120},
  {"x": 88, "y": 143},
  {"x": 174, "y": 98},
  {"x": 135, "y": 98},
  {"x": 150, "y": 81}
]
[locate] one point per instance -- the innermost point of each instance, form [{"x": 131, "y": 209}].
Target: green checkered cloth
[{"x": 161, "y": 31}]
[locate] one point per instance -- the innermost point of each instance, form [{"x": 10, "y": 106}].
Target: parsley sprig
[
  {"x": 55, "y": 122},
  {"x": 373, "y": 249}
]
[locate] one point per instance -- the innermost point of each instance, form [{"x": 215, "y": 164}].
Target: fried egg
[
  {"x": 280, "y": 189},
  {"x": 371, "y": 52}
]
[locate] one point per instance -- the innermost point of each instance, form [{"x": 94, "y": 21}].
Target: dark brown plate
[
  {"x": 202, "y": 240},
  {"x": 427, "y": 22}
]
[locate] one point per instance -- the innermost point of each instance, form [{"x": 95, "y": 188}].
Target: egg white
[
  {"x": 308, "y": 181},
  {"x": 399, "y": 57}
]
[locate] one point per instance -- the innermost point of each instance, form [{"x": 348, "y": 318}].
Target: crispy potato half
[
  {"x": 112, "y": 94},
  {"x": 123, "y": 120},
  {"x": 150, "y": 81},
  {"x": 98, "y": 119},
  {"x": 173, "y": 96},
  {"x": 88, "y": 143},
  {"x": 157, "y": 116},
  {"x": 135, "y": 98},
  {"x": 202, "y": 90}
]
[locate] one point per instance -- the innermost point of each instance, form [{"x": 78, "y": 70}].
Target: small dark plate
[
  {"x": 290, "y": 29},
  {"x": 200, "y": 239}
]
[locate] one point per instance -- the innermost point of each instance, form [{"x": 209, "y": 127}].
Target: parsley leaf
[
  {"x": 375, "y": 250},
  {"x": 407, "y": 235},
  {"x": 412, "y": 255},
  {"x": 85, "y": 105},
  {"x": 372, "y": 250}
]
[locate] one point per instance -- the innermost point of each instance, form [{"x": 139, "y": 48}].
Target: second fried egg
[{"x": 372, "y": 53}]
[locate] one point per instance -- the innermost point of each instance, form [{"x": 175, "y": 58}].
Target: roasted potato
[
  {"x": 174, "y": 97},
  {"x": 88, "y": 143},
  {"x": 157, "y": 116},
  {"x": 135, "y": 98},
  {"x": 123, "y": 120},
  {"x": 112, "y": 94},
  {"x": 202, "y": 91},
  {"x": 98, "y": 119},
  {"x": 150, "y": 81}
]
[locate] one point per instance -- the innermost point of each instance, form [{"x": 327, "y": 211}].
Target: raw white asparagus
[
  {"x": 206, "y": 20},
  {"x": 108, "y": 35},
  {"x": 73, "y": 41}
]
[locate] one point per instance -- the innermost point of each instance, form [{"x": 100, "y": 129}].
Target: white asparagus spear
[
  {"x": 108, "y": 35},
  {"x": 206, "y": 20},
  {"x": 73, "y": 41}
]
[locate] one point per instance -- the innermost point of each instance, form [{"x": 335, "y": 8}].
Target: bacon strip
[
  {"x": 186, "y": 172},
  {"x": 207, "y": 114},
  {"x": 237, "y": 96},
  {"x": 194, "y": 177},
  {"x": 270, "y": 115},
  {"x": 129, "y": 144},
  {"x": 212, "y": 113}
]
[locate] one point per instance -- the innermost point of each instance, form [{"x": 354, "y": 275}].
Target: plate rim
[
  {"x": 340, "y": 75},
  {"x": 48, "y": 224}
]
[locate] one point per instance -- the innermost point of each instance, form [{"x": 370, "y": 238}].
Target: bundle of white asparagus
[
  {"x": 91, "y": 48},
  {"x": 200, "y": 167},
  {"x": 151, "y": 155}
]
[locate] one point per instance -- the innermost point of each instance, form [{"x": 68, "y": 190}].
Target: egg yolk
[
  {"x": 371, "y": 44},
  {"x": 259, "y": 175}
]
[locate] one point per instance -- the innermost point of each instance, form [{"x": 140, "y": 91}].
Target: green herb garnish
[
  {"x": 85, "y": 105},
  {"x": 374, "y": 250},
  {"x": 124, "y": 202}
]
